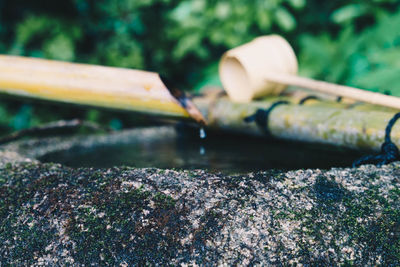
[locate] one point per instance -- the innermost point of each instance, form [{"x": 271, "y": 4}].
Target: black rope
[
  {"x": 261, "y": 117},
  {"x": 389, "y": 151},
  {"x": 309, "y": 97}
]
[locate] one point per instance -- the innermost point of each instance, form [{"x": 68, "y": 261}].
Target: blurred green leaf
[
  {"x": 264, "y": 19},
  {"x": 222, "y": 10},
  {"x": 388, "y": 57},
  {"x": 211, "y": 77},
  {"x": 60, "y": 47},
  {"x": 93, "y": 115},
  {"x": 367, "y": 60},
  {"x": 380, "y": 80},
  {"x": 182, "y": 11},
  {"x": 297, "y": 4},
  {"x": 349, "y": 12},
  {"x": 284, "y": 19},
  {"x": 186, "y": 45}
]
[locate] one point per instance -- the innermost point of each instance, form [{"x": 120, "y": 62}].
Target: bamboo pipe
[
  {"x": 267, "y": 64},
  {"x": 313, "y": 123},
  {"x": 96, "y": 86}
]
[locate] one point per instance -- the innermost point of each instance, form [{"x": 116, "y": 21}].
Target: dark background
[{"x": 350, "y": 42}]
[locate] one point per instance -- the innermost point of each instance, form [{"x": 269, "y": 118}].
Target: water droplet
[
  {"x": 202, "y": 150},
  {"x": 202, "y": 133}
]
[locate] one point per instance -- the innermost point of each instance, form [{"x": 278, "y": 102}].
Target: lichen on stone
[{"x": 55, "y": 215}]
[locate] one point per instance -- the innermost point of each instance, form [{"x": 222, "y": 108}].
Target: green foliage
[
  {"x": 59, "y": 38},
  {"x": 349, "y": 42},
  {"x": 368, "y": 59}
]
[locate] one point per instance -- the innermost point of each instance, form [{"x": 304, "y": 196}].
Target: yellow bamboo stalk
[{"x": 97, "y": 86}]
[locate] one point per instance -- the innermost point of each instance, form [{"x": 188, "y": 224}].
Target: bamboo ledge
[{"x": 336, "y": 124}]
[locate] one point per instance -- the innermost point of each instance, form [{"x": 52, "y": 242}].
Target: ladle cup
[{"x": 266, "y": 65}]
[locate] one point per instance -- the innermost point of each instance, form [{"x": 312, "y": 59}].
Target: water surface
[{"x": 216, "y": 153}]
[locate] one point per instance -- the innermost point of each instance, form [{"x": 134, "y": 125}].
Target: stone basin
[{"x": 57, "y": 215}]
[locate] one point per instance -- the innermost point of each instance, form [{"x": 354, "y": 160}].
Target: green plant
[
  {"x": 185, "y": 40},
  {"x": 368, "y": 59}
]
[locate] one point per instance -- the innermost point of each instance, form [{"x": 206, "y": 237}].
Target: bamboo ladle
[{"x": 268, "y": 64}]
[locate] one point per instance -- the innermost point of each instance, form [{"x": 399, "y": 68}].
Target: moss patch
[
  {"x": 367, "y": 221},
  {"x": 103, "y": 222}
]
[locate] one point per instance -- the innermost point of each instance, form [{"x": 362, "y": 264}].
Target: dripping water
[{"x": 203, "y": 135}]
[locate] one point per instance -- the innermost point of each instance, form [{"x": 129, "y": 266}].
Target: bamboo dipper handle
[
  {"x": 335, "y": 89},
  {"x": 265, "y": 65}
]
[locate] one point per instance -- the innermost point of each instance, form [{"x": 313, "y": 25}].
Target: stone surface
[{"x": 54, "y": 215}]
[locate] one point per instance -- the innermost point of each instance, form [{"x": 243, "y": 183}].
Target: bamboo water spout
[{"x": 96, "y": 86}]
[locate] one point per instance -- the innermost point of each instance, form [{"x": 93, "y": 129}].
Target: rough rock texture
[{"x": 52, "y": 214}]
